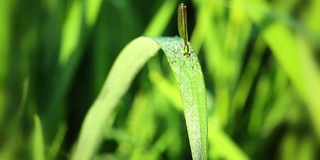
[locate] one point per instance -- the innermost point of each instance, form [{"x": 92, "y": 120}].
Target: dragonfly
[{"x": 182, "y": 27}]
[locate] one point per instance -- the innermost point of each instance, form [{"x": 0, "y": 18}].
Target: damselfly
[{"x": 182, "y": 27}]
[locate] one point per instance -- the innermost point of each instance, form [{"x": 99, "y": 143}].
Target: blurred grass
[
  {"x": 260, "y": 61},
  {"x": 38, "y": 143}
]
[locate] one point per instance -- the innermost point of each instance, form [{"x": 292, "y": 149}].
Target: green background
[{"x": 260, "y": 61}]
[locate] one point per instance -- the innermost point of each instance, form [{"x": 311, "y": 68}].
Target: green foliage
[
  {"x": 260, "y": 62},
  {"x": 189, "y": 77}
]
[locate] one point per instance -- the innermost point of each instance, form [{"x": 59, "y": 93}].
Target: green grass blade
[
  {"x": 189, "y": 76},
  {"x": 92, "y": 8},
  {"x": 129, "y": 62},
  {"x": 38, "y": 143},
  {"x": 71, "y": 33},
  {"x": 190, "y": 79}
]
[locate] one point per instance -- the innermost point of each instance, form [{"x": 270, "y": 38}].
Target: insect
[{"x": 182, "y": 27}]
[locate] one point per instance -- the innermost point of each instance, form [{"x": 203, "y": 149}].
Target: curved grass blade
[
  {"x": 188, "y": 74},
  {"x": 117, "y": 83}
]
